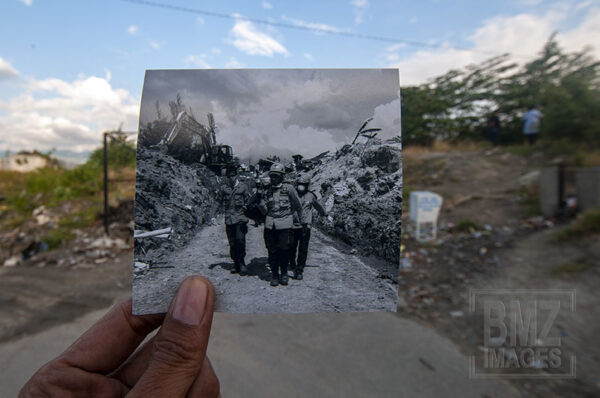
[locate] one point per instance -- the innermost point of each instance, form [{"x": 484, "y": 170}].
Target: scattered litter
[
  {"x": 12, "y": 261},
  {"x": 106, "y": 242},
  {"x": 405, "y": 263},
  {"x": 41, "y": 215},
  {"x": 140, "y": 268}
]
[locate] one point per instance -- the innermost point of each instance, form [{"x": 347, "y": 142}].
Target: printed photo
[{"x": 283, "y": 187}]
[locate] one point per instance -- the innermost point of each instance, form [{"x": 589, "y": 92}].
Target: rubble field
[
  {"x": 170, "y": 195},
  {"x": 360, "y": 187}
]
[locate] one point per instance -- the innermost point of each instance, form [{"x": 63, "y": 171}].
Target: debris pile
[
  {"x": 361, "y": 189},
  {"x": 170, "y": 195},
  {"x": 87, "y": 248}
]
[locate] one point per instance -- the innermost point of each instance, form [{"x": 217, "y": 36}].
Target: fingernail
[{"x": 190, "y": 301}]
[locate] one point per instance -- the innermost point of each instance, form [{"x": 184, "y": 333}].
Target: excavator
[{"x": 190, "y": 141}]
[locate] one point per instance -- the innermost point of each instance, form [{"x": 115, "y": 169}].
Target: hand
[{"x": 102, "y": 362}]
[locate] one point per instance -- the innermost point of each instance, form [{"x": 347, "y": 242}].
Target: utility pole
[{"x": 105, "y": 142}]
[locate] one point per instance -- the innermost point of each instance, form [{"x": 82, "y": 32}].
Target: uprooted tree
[{"x": 363, "y": 131}]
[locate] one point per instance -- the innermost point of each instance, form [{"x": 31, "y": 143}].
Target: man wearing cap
[
  {"x": 280, "y": 202},
  {"x": 235, "y": 196},
  {"x": 308, "y": 199}
]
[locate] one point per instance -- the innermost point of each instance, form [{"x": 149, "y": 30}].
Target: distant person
[
  {"x": 493, "y": 128},
  {"x": 280, "y": 203},
  {"x": 531, "y": 124},
  {"x": 106, "y": 361},
  {"x": 303, "y": 226}
]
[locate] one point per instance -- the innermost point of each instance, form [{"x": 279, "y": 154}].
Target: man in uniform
[
  {"x": 280, "y": 203},
  {"x": 235, "y": 197},
  {"x": 254, "y": 210},
  {"x": 308, "y": 199}
]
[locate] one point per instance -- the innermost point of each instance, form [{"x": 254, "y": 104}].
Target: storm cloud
[{"x": 263, "y": 112}]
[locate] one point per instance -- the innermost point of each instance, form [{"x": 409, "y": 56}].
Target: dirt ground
[
  {"x": 33, "y": 299},
  {"x": 513, "y": 251},
  {"x": 334, "y": 280}
]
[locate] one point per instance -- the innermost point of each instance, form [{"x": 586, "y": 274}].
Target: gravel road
[{"x": 334, "y": 281}]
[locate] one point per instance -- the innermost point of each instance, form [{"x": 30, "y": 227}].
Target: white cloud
[
  {"x": 27, "y": 2},
  {"x": 308, "y": 56},
  {"x": 200, "y": 20},
  {"x": 530, "y": 3},
  {"x": 233, "y": 64},
  {"x": 359, "y": 7},
  {"x": 395, "y": 47},
  {"x": 387, "y": 118},
  {"x": 198, "y": 61},
  {"x": 215, "y": 50},
  {"x": 154, "y": 44},
  {"x": 587, "y": 34},
  {"x": 583, "y": 5},
  {"x": 266, "y": 5},
  {"x": 312, "y": 25},
  {"x": 65, "y": 115},
  {"x": 133, "y": 29},
  {"x": 248, "y": 39},
  {"x": 522, "y": 35},
  {"x": 6, "y": 70}
]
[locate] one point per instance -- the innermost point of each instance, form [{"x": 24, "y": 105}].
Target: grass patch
[
  {"x": 521, "y": 150},
  {"x": 445, "y": 146},
  {"x": 406, "y": 190},
  {"x": 530, "y": 201},
  {"x": 587, "y": 223},
  {"x": 466, "y": 225},
  {"x": 80, "y": 219},
  {"x": 58, "y": 237},
  {"x": 569, "y": 268}
]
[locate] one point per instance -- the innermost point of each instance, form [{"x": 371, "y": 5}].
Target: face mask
[{"x": 276, "y": 180}]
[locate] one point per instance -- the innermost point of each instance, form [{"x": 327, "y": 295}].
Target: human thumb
[{"x": 180, "y": 346}]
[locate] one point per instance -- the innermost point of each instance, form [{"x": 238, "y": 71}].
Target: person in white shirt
[{"x": 531, "y": 124}]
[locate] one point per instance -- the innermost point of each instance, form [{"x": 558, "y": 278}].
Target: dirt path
[
  {"x": 333, "y": 280},
  {"x": 532, "y": 263}
]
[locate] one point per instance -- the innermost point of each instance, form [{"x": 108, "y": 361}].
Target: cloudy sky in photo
[
  {"x": 70, "y": 70},
  {"x": 262, "y": 112}
]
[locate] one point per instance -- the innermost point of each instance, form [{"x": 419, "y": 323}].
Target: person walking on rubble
[
  {"x": 279, "y": 202},
  {"x": 234, "y": 198},
  {"x": 302, "y": 227}
]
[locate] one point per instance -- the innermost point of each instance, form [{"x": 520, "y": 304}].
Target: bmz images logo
[{"x": 523, "y": 333}]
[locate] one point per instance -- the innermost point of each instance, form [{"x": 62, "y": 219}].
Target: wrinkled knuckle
[
  {"x": 45, "y": 382},
  {"x": 172, "y": 352}
]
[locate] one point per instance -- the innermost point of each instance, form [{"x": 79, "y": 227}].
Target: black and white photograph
[{"x": 283, "y": 187}]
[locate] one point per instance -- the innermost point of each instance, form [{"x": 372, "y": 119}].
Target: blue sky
[{"x": 70, "y": 69}]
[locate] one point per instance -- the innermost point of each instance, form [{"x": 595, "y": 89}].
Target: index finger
[{"x": 110, "y": 341}]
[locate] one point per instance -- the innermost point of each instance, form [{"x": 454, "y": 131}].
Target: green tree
[
  {"x": 121, "y": 152},
  {"x": 455, "y": 105}
]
